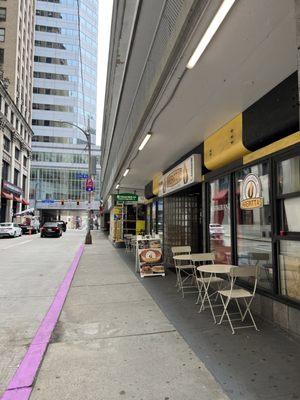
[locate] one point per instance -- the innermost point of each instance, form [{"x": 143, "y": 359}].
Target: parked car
[
  {"x": 51, "y": 229},
  {"x": 63, "y": 225},
  {"x": 9, "y": 229},
  {"x": 216, "y": 230}
]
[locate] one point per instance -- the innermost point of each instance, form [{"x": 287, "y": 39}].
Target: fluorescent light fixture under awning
[
  {"x": 126, "y": 172},
  {"x": 210, "y": 32},
  {"x": 117, "y": 187},
  {"x": 145, "y": 141}
]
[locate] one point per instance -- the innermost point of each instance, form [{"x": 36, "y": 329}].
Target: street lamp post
[
  {"x": 87, "y": 134},
  {"x": 35, "y": 194}
]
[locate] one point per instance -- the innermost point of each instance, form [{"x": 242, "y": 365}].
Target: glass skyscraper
[{"x": 64, "y": 91}]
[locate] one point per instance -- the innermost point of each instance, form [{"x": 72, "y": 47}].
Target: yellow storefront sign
[{"x": 250, "y": 204}]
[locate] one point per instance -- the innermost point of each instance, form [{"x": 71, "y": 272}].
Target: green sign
[{"x": 127, "y": 197}]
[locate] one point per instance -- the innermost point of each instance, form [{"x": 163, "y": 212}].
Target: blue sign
[
  {"x": 81, "y": 176},
  {"x": 48, "y": 201}
]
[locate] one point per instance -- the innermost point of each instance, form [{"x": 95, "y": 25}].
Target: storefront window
[
  {"x": 219, "y": 224},
  {"x": 291, "y": 215},
  {"x": 160, "y": 217},
  {"x": 253, "y": 219},
  {"x": 148, "y": 225},
  {"x": 154, "y": 227},
  {"x": 289, "y": 175},
  {"x": 288, "y": 204},
  {"x": 289, "y": 261},
  {"x": 288, "y": 190}
]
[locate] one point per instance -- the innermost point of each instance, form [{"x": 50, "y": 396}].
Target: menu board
[{"x": 149, "y": 257}]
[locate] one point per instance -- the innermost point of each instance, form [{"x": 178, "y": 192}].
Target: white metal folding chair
[
  {"x": 240, "y": 293},
  {"x": 127, "y": 240},
  {"x": 203, "y": 282},
  {"x": 133, "y": 244},
  {"x": 186, "y": 268}
]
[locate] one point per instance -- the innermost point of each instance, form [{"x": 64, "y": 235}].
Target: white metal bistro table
[
  {"x": 212, "y": 270},
  {"x": 188, "y": 269}
]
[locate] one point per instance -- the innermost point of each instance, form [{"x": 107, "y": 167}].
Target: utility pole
[
  {"x": 87, "y": 134},
  {"x": 35, "y": 195}
]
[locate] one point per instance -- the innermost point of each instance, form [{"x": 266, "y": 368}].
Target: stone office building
[
  {"x": 15, "y": 153},
  {"x": 16, "y": 69}
]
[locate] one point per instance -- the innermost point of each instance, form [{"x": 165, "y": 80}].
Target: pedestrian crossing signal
[
  {"x": 77, "y": 202},
  {"x": 62, "y": 202}
]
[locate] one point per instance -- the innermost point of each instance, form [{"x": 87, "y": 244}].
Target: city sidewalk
[{"x": 112, "y": 341}]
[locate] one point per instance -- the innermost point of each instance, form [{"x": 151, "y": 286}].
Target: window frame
[
  {"x": 3, "y": 16},
  {"x": 280, "y": 197},
  {"x": 2, "y": 35}
]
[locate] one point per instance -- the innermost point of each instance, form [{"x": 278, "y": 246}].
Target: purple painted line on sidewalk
[
  {"x": 17, "y": 394},
  {"x": 19, "y": 388}
]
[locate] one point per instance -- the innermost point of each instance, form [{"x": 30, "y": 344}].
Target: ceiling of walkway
[{"x": 253, "y": 51}]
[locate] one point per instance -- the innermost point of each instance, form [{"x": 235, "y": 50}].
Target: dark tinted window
[{"x": 50, "y": 224}]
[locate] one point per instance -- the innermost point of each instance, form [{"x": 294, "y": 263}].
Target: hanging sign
[
  {"x": 79, "y": 175},
  {"x": 12, "y": 188},
  {"x": 127, "y": 197},
  {"x": 251, "y": 193},
  {"x": 184, "y": 174},
  {"x": 89, "y": 185}
]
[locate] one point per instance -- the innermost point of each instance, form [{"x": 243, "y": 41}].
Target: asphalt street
[{"x": 31, "y": 270}]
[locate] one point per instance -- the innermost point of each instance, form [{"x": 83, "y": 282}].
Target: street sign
[
  {"x": 127, "y": 197},
  {"x": 79, "y": 175},
  {"x": 89, "y": 185},
  {"x": 48, "y": 201}
]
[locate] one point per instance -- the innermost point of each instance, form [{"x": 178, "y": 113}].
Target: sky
[{"x": 105, "y": 11}]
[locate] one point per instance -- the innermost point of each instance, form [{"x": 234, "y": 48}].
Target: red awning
[
  {"x": 221, "y": 195},
  {"x": 25, "y": 202},
  {"x": 17, "y": 199},
  {"x": 6, "y": 195}
]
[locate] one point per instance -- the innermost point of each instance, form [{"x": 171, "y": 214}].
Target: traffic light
[
  {"x": 62, "y": 202},
  {"x": 77, "y": 202}
]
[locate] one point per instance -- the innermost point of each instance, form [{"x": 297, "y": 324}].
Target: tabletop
[{"x": 216, "y": 268}]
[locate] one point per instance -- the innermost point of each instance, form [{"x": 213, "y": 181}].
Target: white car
[{"x": 10, "y": 230}]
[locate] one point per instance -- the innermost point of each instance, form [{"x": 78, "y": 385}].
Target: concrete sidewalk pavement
[{"x": 112, "y": 341}]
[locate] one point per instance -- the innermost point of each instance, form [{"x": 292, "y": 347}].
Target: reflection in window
[
  {"x": 291, "y": 214},
  {"x": 219, "y": 225},
  {"x": 148, "y": 225},
  {"x": 160, "y": 217},
  {"x": 289, "y": 259},
  {"x": 254, "y": 227},
  {"x": 154, "y": 226},
  {"x": 289, "y": 175}
]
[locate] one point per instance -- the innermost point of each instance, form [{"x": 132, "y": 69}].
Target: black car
[
  {"x": 63, "y": 225},
  {"x": 51, "y": 229}
]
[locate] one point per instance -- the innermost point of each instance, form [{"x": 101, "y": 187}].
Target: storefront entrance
[{"x": 182, "y": 222}]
